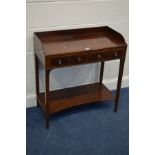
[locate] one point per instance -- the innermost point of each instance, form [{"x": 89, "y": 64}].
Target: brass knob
[
  {"x": 59, "y": 62},
  {"x": 99, "y": 56},
  {"x": 79, "y": 59},
  {"x": 115, "y": 54}
]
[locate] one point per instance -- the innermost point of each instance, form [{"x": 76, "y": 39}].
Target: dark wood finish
[
  {"x": 47, "y": 74},
  {"x": 70, "y": 97},
  {"x": 74, "y": 41},
  {"x": 55, "y": 49},
  {"x": 101, "y": 71},
  {"x": 37, "y": 76},
  {"x": 121, "y": 66},
  {"x": 67, "y": 60}
]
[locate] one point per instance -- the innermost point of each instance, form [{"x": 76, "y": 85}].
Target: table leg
[
  {"x": 37, "y": 78},
  {"x": 46, "y": 97},
  {"x": 121, "y": 67},
  {"x": 101, "y": 71}
]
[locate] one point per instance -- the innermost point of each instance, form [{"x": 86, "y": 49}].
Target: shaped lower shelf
[{"x": 70, "y": 97}]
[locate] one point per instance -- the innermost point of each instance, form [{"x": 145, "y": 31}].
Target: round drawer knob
[
  {"x": 59, "y": 62},
  {"x": 115, "y": 54},
  {"x": 99, "y": 56},
  {"x": 79, "y": 59}
]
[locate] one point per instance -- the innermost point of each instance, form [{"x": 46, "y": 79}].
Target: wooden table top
[{"x": 80, "y": 40}]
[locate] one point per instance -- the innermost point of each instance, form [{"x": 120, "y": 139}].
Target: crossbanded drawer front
[
  {"x": 107, "y": 55},
  {"x": 59, "y": 61}
]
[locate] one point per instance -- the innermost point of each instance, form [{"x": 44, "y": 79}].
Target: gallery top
[{"x": 79, "y": 40}]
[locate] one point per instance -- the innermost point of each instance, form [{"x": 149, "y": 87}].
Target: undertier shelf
[{"x": 70, "y": 97}]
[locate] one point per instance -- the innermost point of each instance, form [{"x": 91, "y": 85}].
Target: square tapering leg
[
  {"x": 37, "y": 78},
  {"x": 101, "y": 71},
  {"x": 47, "y": 74},
  {"x": 121, "y": 67}
]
